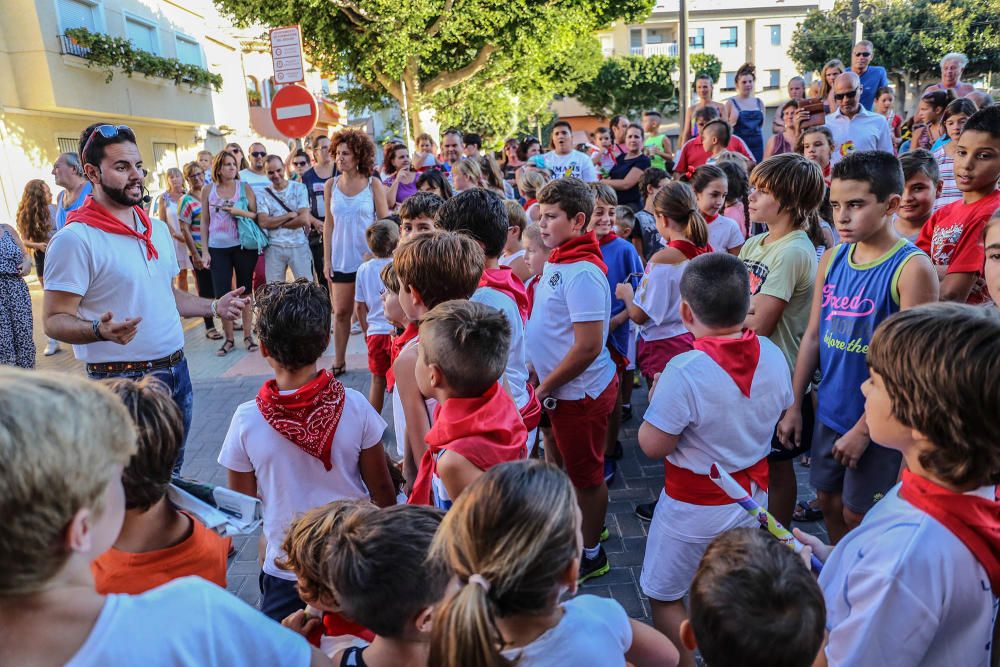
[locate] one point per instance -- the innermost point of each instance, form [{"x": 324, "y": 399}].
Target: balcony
[
  {"x": 662, "y": 49},
  {"x": 68, "y": 47}
]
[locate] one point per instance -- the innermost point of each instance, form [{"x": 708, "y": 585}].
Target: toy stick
[{"x": 740, "y": 496}]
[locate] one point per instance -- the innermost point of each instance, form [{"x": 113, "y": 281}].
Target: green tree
[
  {"x": 910, "y": 36},
  {"x": 443, "y": 50},
  {"x": 705, "y": 63}
]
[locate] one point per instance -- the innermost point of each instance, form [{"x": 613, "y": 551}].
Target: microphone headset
[{"x": 146, "y": 198}]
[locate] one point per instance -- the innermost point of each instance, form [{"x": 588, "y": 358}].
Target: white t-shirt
[
  {"x": 691, "y": 398},
  {"x": 289, "y": 481},
  {"x": 507, "y": 260},
  {"x": 659, "y": 296},
  {"x": 111, "y": 273},
  {"x": 187, "y": 622},
  {"x": 569, "y": 293},
  {"x": 517, "y": 365},
  {"x": 295, "y": 196},
  {"x": 901, "y": 589},
  {"x": 574, "y": 164},
  {"x": 593, "y": 632},
  {"x": 257, "y": 182},
  {"x": 368, "y": 289},
  {"x": 724, "y": 233},
  {"x": 866, "y": 131}
]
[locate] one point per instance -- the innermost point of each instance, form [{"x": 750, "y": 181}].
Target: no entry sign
[
  {"x": 294, "y": 111},
  {"x": 286, "y": 53}
]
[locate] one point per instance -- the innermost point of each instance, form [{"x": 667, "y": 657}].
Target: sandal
[
  {"x": 213, "y": 334},
  {"x": 238, "y": 325},
  {"x": 251, "y": 345},
  {"x": 226, "y": 348},
  {"x": 806, "y": 512},
  {"x": 338, "y": 370}
]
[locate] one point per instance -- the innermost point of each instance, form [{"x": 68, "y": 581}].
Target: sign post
[
  {"x": 294, "y": 111},
  {"x": 286, "y": 53}
]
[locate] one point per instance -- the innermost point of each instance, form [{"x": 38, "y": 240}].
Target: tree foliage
[
  {"x": 447, "y": 54},
  {"x": 632, "y": 84},
  {"x": 910, "y": 36}
]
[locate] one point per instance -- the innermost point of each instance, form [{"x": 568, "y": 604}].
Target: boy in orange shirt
[{"x": 157, "y": 543}]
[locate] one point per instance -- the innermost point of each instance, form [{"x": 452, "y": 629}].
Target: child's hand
[
  {"x": 790, "y": 428},
  {"x": 301, "y": 623},
  {"x": 624, "y": 291},
  {"x": 849, "y": 448},
  {"x": 813, "y": 546}
]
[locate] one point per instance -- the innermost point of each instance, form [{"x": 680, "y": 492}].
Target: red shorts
[
  {"x": 378, "y": 353},
  {"x": 580, "y": 428},
  {"x": 621, "y": 361},
  {"x": 652, "y": 356}
]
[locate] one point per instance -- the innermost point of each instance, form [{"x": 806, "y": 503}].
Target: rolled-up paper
[{"x": 740, "y": 496}]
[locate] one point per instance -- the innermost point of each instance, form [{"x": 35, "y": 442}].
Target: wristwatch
[{"x": 95, "y": 325}]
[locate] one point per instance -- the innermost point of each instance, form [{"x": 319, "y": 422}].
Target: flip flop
[{"x": 804, "y": 512}]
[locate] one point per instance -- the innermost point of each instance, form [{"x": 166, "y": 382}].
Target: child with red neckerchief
[
  {"x": 655, "y": 305},
  {"x": 565, "y": 342},
  {"x": 432, "y": 267},
  {"x": 460, "y": 362},
  {"x": 732, "y": 372},
  {"x": 306, "y": 440},
  {"x": 918, "y": 579},
  {"x": 711, "y": 187}
]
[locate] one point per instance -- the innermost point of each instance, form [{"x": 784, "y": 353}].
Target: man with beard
[
  {"x": 256, "y": 176},
  {"x": 108, "y": 282}
]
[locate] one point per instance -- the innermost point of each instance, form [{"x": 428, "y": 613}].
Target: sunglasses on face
[
  {"x": 849, "y": 95},
  {"x": 300, "y": 164},
  {"x": 863, "y": 54},
  {"x": 234, "y": 149},
  {"x": 259, "y": 154}
]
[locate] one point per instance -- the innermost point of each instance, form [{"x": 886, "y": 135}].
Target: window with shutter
[
  {"x": 141, "y": 34},
  {"x": 77, "y": 14},
  {"x": 188, "y": 51}
]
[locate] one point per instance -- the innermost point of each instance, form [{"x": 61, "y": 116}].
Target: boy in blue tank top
[{"x": 870, "y": 275}]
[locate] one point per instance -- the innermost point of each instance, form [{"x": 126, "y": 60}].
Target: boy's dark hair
[
  {"x": 441, "y": 265},
  {"x": 754, "y": 604},
  {"x": 707, "y": 114},
  {"x": 704, "y": 175},
  {"x": 382, "y": 237},
  {"x": 985, "y": 120},
  {"x": 97, "y": 144},
  {"x": 880, "y": 170},
  {"x": 939, "y": 363},
  {"x": 962, "y": 105},
  {"x": 717, "y": 288},
  {"x": 436, "y": 180},
  {"x": 160, "y": 428},
  {"x": 469, "y": 342},
  {"x": 379, "y": 569},
  {"x": 602, "y": 130},
  {"x": 472, "y": 139},
  {"x": 922, "y": 161},
  {"x": 420, "y": 205},
  {"x": 651, "y": 178},
  {"x": 293, "y": 321},
  {"x": 480, "y": 214},
  {"x": 652, "y": 112},
  {"x": 719, "y": 129},
  {"x": 562, "y": 123},
  {"x": 570, "y": 194}
]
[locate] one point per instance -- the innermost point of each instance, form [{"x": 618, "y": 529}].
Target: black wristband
[{"x": 95, "y": 325}]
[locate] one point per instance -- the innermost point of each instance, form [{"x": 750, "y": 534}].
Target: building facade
[{"x": 49, "y": 90}]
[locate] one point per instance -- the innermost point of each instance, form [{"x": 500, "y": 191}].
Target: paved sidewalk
[{"x": 222, "y": 383}]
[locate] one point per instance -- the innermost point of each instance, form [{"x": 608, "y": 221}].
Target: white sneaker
[
  {"x": 356, "y": 328},
  {"x": 52, "y": 347}
]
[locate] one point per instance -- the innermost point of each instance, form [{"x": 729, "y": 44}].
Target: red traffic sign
[{"x": 294, "y": 111}]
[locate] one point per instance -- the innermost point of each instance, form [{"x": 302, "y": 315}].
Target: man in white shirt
[
  {"x": 855, "y": 128},
  {"x": 283, "y": 212},
  {"x": 255, "y": 176},
  {"x": 112, "y": 260},
  {"x": 563, "y": 160}
]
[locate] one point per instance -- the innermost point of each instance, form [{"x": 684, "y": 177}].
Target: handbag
[{"x": 252, "y": 237}]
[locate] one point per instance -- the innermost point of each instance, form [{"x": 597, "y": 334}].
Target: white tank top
[{"x": 351, "y": 217}]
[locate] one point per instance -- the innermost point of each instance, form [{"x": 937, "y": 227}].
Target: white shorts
[
  {"x": 671, "y": 561},
  {"x": 532, "y": 437}
]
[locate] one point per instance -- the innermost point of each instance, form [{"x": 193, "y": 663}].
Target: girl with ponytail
[
  {"x": 655, "y": 306},
  {"x": 512, "y": 541}
]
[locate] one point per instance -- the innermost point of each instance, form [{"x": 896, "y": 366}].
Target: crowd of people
[{"x": 823, "y": 296}]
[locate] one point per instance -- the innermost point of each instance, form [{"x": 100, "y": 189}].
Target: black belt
[{"x": 125, "y": 366}]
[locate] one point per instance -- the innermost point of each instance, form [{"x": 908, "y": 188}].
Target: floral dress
[{"x": 17, "y": 346}]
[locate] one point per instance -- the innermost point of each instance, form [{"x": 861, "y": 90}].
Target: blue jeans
[{"x": 178, "y": 380}]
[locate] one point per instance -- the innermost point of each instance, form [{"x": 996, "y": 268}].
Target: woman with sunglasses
[
  {"x": 189, "y": 217},
  {"x": 237, "y": 152},
  {"x": 298, "y": 163},
  {"x": 227, "y": 199}
]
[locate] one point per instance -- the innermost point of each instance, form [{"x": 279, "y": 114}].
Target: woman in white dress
[{"x": 168, "y": 213}]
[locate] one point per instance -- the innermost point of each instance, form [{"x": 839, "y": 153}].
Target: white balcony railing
[{"x": 662, "y": 49}]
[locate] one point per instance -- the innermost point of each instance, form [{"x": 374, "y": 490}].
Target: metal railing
[
  {"x": 68, "y": 47},
  {"x": 662, "y": 49}
]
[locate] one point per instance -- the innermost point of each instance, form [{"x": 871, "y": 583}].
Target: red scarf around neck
[
  {"x": 398, "y": 342},
  {"x": 309, "y": 416},
  {"x": 737, "y": 356},
  {"x": 338, "y": 625},
  {"x": 689, "y": 249},
  {"x": 528, "y": 203},
  {"x": 486, "y": 430},
  {"x": 502, "y": 279},
  {"x": 93, "y": 214},
  {"x": 583, "y": 248},
  {"x": 607, "y": 238},
  {"x": 710, "y": 218},
  {"x": 974, "y": 520}
]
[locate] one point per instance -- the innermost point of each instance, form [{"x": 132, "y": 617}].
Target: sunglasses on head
[
  {"x": 259, "y": 153},
  {"x": 106, "y": 131},
  {"x": 849, "y": 95},
  {"x": 863, "y": 54}
]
